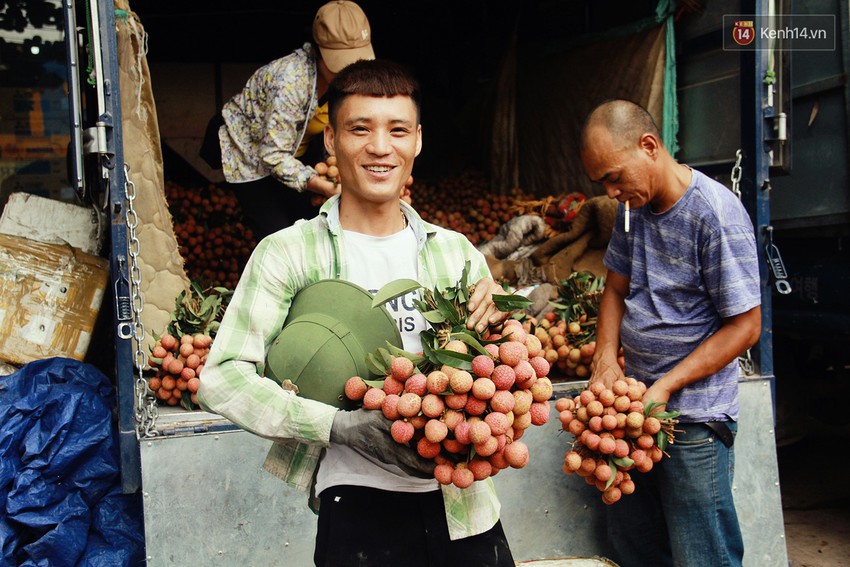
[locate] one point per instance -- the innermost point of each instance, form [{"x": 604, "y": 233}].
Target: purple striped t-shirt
[{"x": 689, "y": 267}]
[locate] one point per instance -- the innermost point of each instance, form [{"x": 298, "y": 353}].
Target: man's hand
[
  {"x": 606, "y": 370},
  {"x": 482, "y": 310},
  {"x": 323, "y": 187},
  {"x": 657, "y": 393},
  {"x": 368, "y": 431}
]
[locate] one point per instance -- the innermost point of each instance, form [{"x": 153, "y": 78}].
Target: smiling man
[
  {"x": 379, "y": 502},
  {"x": 682, "y": 296}
]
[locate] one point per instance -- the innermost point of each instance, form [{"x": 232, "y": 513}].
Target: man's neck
[{"x": 373, "y": 220}]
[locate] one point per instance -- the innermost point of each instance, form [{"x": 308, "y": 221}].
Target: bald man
[{"x": 682, "y": 297}]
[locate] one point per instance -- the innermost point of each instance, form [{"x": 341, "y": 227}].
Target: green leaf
[
  {"x": 661, "y": 440},
  {"x": 452, "y": 358},
  {"x": 666, "y": 414},
  {"x": 624, "y": 462},
  {"x": 386, "y": 357},
  {"x": 463, "y": 283},
  {"x": 470, "y": 340},
  {"x": 558, "y": 305},
  {"x": 394, "y": 289},
  {"x": 414, "y": 358},
  {"x": 375, "y": 383},
  {"x": 186, "y": 401},
  {"x": 434, "y": 316},
  {"x": 375, "y": 365},
  {"x": 446, "y": 308},
  {"x": 505, "y": 303}
]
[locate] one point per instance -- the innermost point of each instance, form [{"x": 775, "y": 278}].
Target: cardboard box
[
  {"x": 50, "y": 296},
  {"x": 51, "y": 221}
]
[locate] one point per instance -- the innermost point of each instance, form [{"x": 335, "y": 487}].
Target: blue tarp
[{"x": 61, "y": 502}]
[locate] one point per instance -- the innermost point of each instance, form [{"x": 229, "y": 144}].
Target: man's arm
[
  {"x": 606, "y": 369},
  {"x": 736, "y": 335}
]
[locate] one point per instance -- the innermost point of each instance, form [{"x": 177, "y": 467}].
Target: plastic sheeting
[{"x": 60, "y": 496}]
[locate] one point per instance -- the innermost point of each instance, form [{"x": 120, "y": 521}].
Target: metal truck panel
[{"x": 208, "y": 501}]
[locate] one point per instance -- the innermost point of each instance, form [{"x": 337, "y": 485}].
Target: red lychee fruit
[
  {"x": 502, "y": 401},
  {"x": 562, "y": 404},
  {"x": 483, "y": 388},
  {"x": 437, "y": 382},
  {"x": 390, "y": 406},
  {"x": 481, "y": 468},
  {"x": 539, "y": 413},
  {"x": 462, "y": 432},
  {"x": 453, "y": 418},
  {"x": 474, "y": 406},
  {"x": 462, "y": 477},
  {"x": 443, "y": 473},
  {"x": 522, "y": 421},
  {"x": 498, "y": 423},
  {"x": 401, "y": 368},
  {"x": 428, "y": 449},
  {"x": 435, "y": 430},
  {"x": 355, "y": 388},
  {"x": 533, "y": 346},
  {"x": 457, "y": 346},
  {"x": 373, "y": 398},
  {"x": 487, "y": 448},
  {"x": 524, "y": 399},
  {"x": 416, "y": 384},
  {"x": 516, "y": 454},
  {"x": 482, "y": 365},
  {"x": 456, "y": 401},
  {"x": 479, "y": 432},
  {"x": 460, "y": 381},
  {"x": 515, "y": 334},
  {"x": 511, "y": 353},
  {"x": 401, "y": 431},
  {"x": 432, "y": 405},
  {"x": 525, "y": 374},
  {"x": 541, "y": 390},
  {"x": 652, "y": 425},
  {"x": 503, "y": 376},
  {"x": 540, "y": 365},
  {"x": 453, "y": 445},
  {"x": 393, "y": 386},
  {"x": 492, "y": 349},
  {"x": 572, "y": 460},
  {"x": 409, "y": 404}
]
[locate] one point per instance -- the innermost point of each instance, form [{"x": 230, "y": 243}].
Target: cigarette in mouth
[{"x": 627, "y": 216}]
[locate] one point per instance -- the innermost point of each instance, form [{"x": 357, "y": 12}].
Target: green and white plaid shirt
[{"x": 280, "y": 266}]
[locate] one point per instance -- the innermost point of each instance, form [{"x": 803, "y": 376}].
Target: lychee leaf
[
  {"x": 386, "y": 357},
  {"x": 186, "y": 401},
  {"x": 506, "y": 303},
  {"x": 414, "y": 358},
  {"x": 452, "y": 358},
  {"x": 446, "y": 308},
  {"x": 374, "y": 383},
  {"x": 661, "y": 440},
  {"x": 464, "y": 276},
  {"x": 394, "y": 289},
  {"x": 623, "y": 462},
  {"x": 376, "y": 366},
  {"x": 434, "y": 316},
  {"x": 468, "y": 339},
  {"x": 610, "y": 481}
]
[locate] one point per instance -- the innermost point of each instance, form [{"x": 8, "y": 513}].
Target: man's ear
[
  {"x": 418, "y": 139},
  {"x": 329, "y": 139},
  {"x": 650, "y": 144}
]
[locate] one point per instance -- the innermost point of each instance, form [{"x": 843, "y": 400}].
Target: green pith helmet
[{"x": 330, "y": 328}]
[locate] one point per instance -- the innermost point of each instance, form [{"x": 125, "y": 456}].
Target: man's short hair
[
  {"x": 376, "y": 77},
  {"x": 625, "y": 120}
]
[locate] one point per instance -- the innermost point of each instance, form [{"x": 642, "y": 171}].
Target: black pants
[
  {"x": 267, "y": 204},
  {"x": 366, "y": 527}
]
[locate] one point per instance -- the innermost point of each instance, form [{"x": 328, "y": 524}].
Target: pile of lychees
[
  {"x": 615, "y": 434},
  {"x": 469, "y": 421}
]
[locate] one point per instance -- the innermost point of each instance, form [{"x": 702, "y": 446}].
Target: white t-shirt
[{"x": 374, "y": 261}]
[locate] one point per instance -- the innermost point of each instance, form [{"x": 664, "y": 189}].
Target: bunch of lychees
[
  {"x": 615, "y": 433},
  {"x": 468, "y": 399}
]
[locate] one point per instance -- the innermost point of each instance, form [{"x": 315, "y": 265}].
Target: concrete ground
[{"x": 816, "y": 498}]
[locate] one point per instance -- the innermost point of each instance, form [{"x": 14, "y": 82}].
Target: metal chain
[
  {"x": 146, "y": 409},
  {"x": 737, "y": 170}
]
